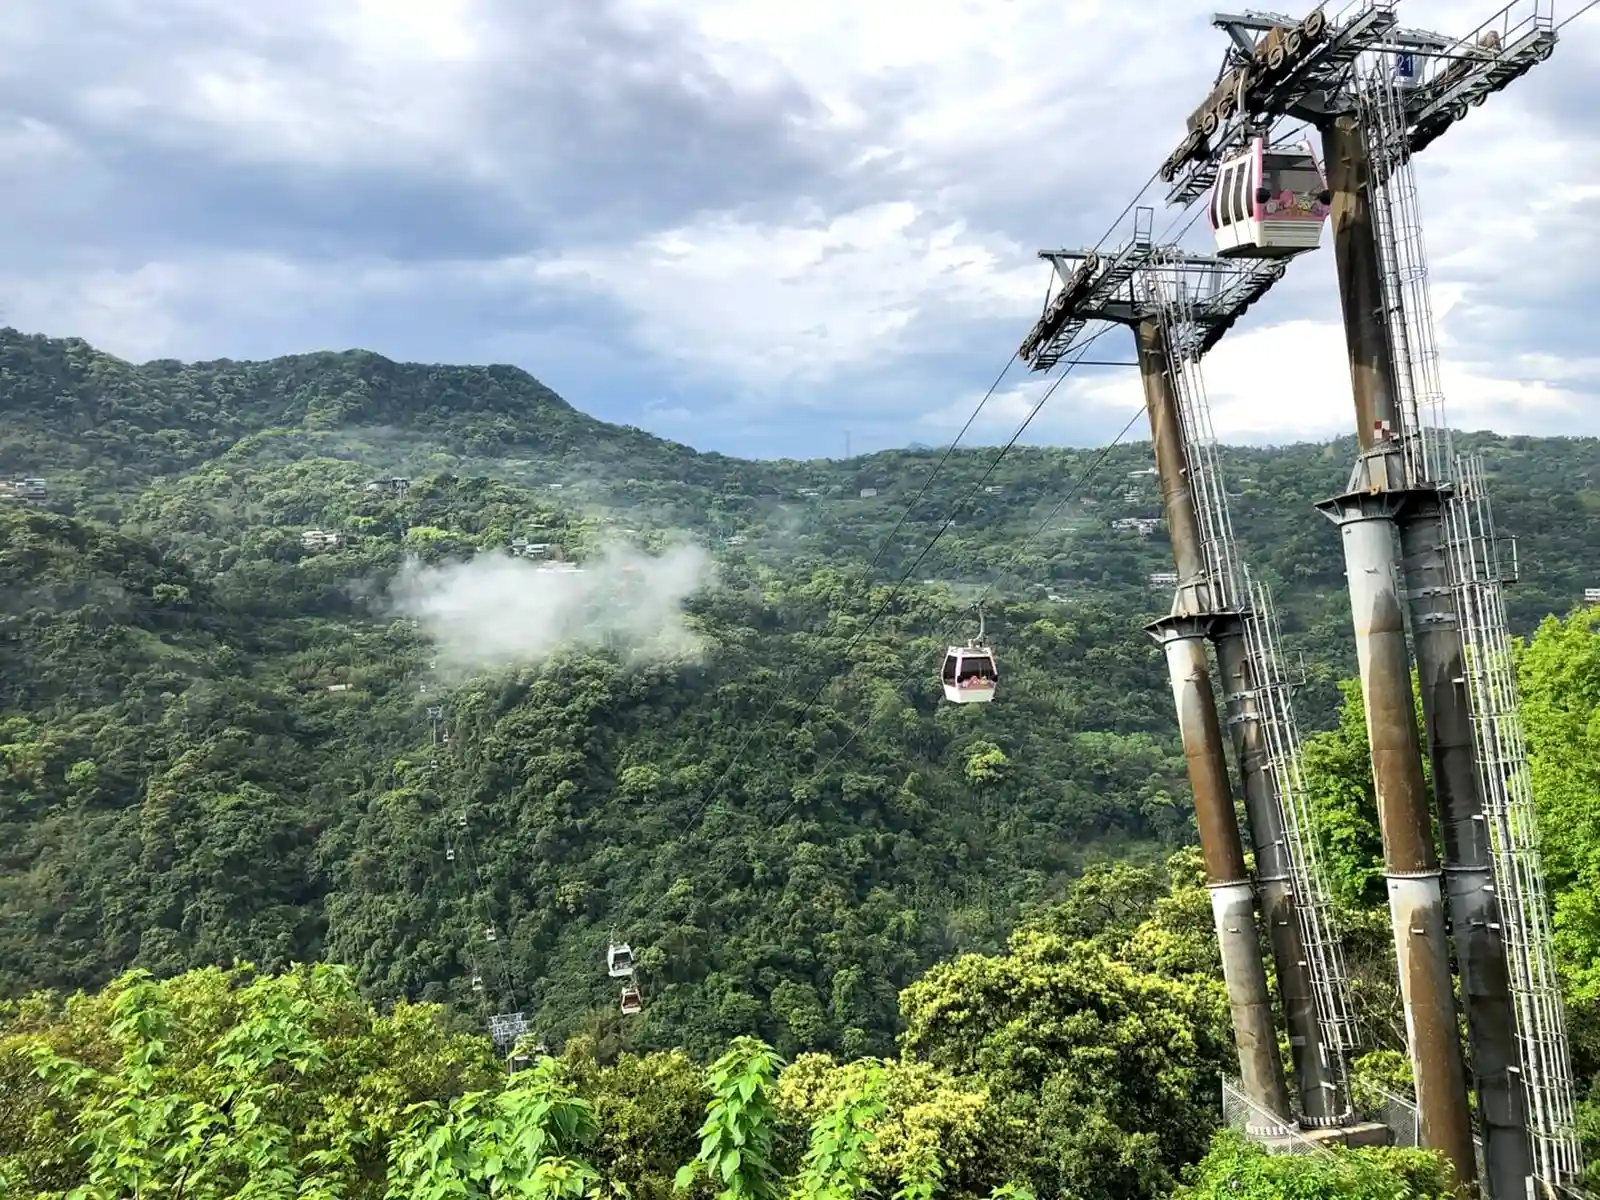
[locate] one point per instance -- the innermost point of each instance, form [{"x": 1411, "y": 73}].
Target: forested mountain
[
  {"x": 217, "y": 736},
  {"x": 261, "y": 702}
]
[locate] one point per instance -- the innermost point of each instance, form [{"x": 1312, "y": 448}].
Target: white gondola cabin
[
  {"x": 619, "y": 961},
  {"x": 969, "y": 675},
  {"x": 1269, "y": 202},
  {"x": 632, "y": 1002}
]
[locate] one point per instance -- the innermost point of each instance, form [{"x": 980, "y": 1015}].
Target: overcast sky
[{"x": 751, "y": 225}]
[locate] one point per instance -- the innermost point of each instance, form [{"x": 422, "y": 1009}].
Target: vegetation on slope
[
  {"x": 1056, "y": 1068},
  {"x": 215, "y": 746}
]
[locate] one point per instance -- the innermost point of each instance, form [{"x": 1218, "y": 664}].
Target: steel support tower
[
  {"x": 1178, "y": 306},
  {"x": 1378, "y": 94}
]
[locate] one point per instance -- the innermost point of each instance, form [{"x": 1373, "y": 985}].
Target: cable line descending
[
  {"x": 491, "y": 967},
  {"x": 744, "y": 745}
]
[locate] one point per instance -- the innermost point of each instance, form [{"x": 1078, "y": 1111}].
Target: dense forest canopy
[{"x": 261, "y": 703}]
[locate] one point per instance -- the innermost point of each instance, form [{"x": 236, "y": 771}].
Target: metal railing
[
  {"x": 1490, "y": 678},
  {"x": 1314, "y": 907}
]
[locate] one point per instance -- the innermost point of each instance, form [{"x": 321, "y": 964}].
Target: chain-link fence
[
  {"x": 1400, "y": 1114},
  {"x": 1404, "y": 1121},
  {"x": 1244, "y": 1115}
]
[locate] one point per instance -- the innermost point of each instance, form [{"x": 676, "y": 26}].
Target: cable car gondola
[
  {"x": 1269, "y": 202},
  {"x": 632, "y": 1002},
  {"x": 969, "y": 675},
  {"x": 619, "y": 960}
]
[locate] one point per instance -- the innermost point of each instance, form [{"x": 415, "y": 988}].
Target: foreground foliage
[
  {"x": 1056, "y": 1068},
  {"x": 1236, "y": 1169}
]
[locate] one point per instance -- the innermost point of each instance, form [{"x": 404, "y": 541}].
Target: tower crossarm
[
  {"x": 1291, "y": 69},
  {"x": 1303, "y": 71},
  {"x": 1218, "y": 315},
  {"x": 1098, "y": 286},
  {"x": 1455, "y": 74}
]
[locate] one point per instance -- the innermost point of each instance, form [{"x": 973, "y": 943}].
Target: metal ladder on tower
[
  {"x": 1169, "y": 288},
  {"x": 1313, "y": 897},
  {"x": 1509, "y": 811},
  {"x": 1403, "y": 263},
  {"x": 1489, "y": 676}
]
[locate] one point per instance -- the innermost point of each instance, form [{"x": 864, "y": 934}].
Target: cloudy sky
[{"x": 750, "y": 225}]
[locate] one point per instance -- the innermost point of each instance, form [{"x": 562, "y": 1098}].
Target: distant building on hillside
[
  {"x": 1591, "y": 595},
  {"x": 994, "y": 489},
  {"x": 521, "y": 547},
  {"x": 318, "y": 540},
  {"x": 396, "y": 485},
  {"x": 1163, "y": 579},
  {"x": 868, "y": 493},
  {"x": 24, "y": 491},
  {"x": 1143, "y": 526}
]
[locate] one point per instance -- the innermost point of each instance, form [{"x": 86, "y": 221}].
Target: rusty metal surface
[
  {"x": 1233, "y": 904},
  {"x": 1244, "y": 975},
  {"x": 1183, "y": 524},
  {"x": 1203, "y": 753},
  {"x": 1355, "y": 252},
  {"x": 1475, "y": 921},
  {"x": 1321, "y": 1097},
  {"x": 1366, "y": 527},
  {"x": 1417, "y": 910}
]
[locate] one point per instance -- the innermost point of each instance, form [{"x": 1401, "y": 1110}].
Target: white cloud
[
  {"x": 1279, "y": 383},
  {"x": 768, "y": 305},
  {"x": 493, "y": 611},
  {"x": 939, "y": 143}
]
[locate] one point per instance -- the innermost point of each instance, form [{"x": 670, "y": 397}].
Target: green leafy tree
[
  {"x": 1114, "y": 1071},
  {"x": 525, "y": 1140},
  {"x": 738, "y": 1140},
  {"x": 1236, "y": 1169},
  {"x": 836, "y": 1162},
  {"x": 219, "y": 1074},
  {"x": 146, "y": 1129}
]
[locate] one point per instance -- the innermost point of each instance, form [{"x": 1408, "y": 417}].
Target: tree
[
  {"x": 738, "y": 1140},
  {"x": 1237, "y": 1169},
  {"x": 524, "y": 1140},
  {"x": 1115, "y": 1072},
  {"x": 207, "y": 1079}
]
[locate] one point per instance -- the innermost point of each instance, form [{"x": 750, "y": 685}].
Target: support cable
[
  {"x": 1077, "y": 489},
  {"x": 714, "y": 791},
  {"x": 1576, "y": 15}
]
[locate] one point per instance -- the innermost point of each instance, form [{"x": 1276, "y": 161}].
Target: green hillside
[{"x": 216, "y": 738}]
